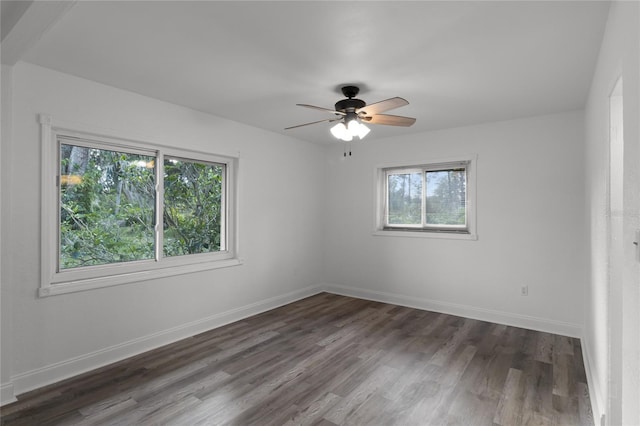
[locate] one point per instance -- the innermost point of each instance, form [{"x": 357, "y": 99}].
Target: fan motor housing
[{"x": 349, "y": 105}]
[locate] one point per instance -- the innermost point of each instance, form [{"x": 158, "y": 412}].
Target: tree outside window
[
  {"x": 430, "y": 197},
  {"x": 108, "y": 206}
]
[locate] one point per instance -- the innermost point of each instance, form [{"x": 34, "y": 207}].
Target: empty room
[{"x": 320, "y": 213}]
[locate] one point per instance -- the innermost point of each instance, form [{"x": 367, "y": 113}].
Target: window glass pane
[
  {"x": 405, "y": 198},
  {"x": 106, "y": 206},
  {"x": 446, "y": 197},
  {"x": 193, "y": 206}
]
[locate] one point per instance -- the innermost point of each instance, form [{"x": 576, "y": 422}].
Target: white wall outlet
[{"x": 524, "y": 290}]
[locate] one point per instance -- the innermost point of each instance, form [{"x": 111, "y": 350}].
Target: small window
[
  {"x": 117, "y": 211},
  {"x": 427, "y": 198}
]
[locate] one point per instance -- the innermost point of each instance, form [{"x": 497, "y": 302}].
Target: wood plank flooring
[{"x": 331, "y": 360}]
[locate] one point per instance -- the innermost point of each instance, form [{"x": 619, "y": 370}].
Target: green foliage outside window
[
  {"x": 192, "y": 207},
  {"x": 446, "y": 197},
  {"x": 445, "y": 192},
  {"x": 405, "y": 198},
  {"x": 107, "y": 207}
]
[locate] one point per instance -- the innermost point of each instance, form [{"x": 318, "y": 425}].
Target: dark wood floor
[{"x": 331, "y": 360}]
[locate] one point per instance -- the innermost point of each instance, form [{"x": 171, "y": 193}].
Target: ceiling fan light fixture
[
  {"x": 347, "y": 132},
  {"x": 351, "y": 113}
]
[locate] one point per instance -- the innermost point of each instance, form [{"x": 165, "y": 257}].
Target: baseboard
[
  {"x": 6, "y": 393},
  {"x": 52, "y": 373},
  {"x": 507, "y": 318},
  {"x": 593, "y": 383}
]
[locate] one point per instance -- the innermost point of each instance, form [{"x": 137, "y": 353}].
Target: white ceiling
[{"x": 457, "y": 63}]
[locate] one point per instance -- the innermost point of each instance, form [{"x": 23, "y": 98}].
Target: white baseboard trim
[
  {"x": 6, "y": 393},
  {"x": 593, "y": 383},
  {"x": 56, "y": 372},
  {"x": 507, "y": 318}
]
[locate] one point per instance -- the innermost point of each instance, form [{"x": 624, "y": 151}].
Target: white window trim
[
  {"x": 380, "y": 202},
  {"x": 53, "y": 282}
]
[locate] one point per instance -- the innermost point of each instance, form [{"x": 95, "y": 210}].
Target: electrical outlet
[{"x": 524, "y": 290}]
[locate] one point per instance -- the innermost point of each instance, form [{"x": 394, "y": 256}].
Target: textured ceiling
[{"x": 457, "y": 63}]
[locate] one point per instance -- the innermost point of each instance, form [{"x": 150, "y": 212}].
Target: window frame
[
  {"x": 55, "y": 281},
  {"x": 424, "y": 230}
]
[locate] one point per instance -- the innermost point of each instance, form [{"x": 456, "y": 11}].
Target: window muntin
[
  {"x": 58, "y": 277},
  {"x": 426, "y": 198}
]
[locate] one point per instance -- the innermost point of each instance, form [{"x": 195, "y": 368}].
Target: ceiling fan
[{"x": 352, "y": 113}]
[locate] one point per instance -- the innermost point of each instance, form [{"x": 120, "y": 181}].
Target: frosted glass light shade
[
  {"x": 349, "y": 131},
  {"x": 363, "y": 131},
  {"x": 339, "y": 131}
]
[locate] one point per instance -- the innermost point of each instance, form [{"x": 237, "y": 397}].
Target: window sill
[
  {"x": 424, "y": 234},
  {"x": 113, "y": 280}
]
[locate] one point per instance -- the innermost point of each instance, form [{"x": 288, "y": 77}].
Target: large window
[
  {"x": 122, "y": 211},
  {"x": 431, "y": 198}
]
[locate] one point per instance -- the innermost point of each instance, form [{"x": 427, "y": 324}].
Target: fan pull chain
[{"x": 344, "y": 153}]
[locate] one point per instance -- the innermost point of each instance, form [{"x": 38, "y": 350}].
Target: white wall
[
  {"x": 612, "y": 298},
  {"x": 280, "y": 211},
  {"x": 530, "y": 223},
  {"x": 6, "y": 307}
]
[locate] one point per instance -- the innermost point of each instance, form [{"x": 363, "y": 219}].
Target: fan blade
[
  {"x": 314, "y": 122},
  {"x": 382, "y": 106},
  {"x": 322, "y": 109},
  {"x": 390, "y": 120}
]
